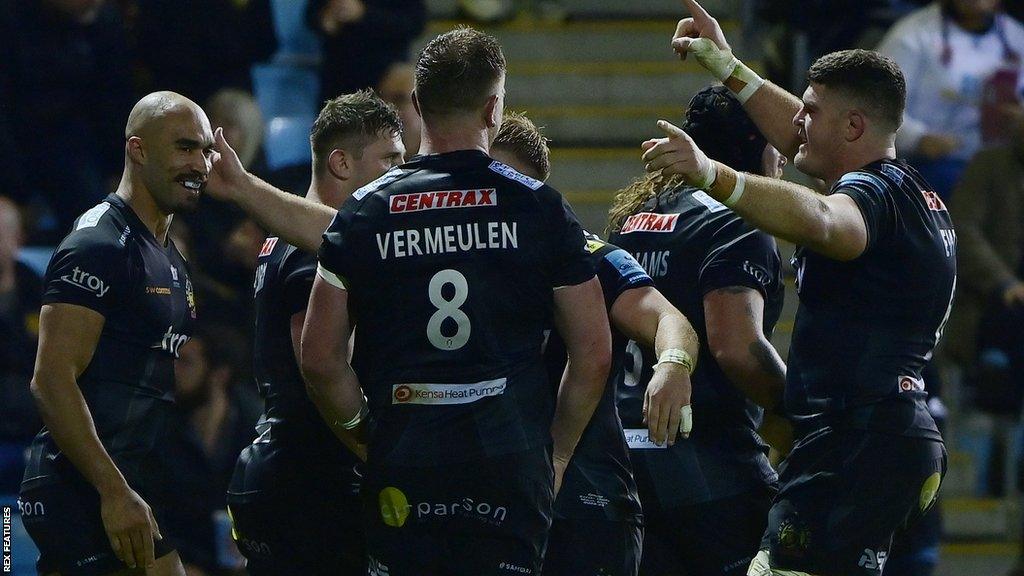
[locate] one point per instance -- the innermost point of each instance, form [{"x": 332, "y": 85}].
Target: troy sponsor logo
[
  {"x": 650, "y": 222},
  {"x": 268, "y": 246},
  {"x": 172, "y": 341},
  {"x": 31, "y": 508},
  {"x": 759, "y": 273},
  {"x": 909, "y": 384},
  {"x": 873, "y": 560},
  {"x": 86, "y": 281},
  {"x": 419, "y": 201},
  {"x": 446, "y": 393},
  {"x": 933, "y": 201}
]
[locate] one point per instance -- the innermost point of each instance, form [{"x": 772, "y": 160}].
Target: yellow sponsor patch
[
  {"x": 394, "y": 507},
  {"x": 929, "y": 490},
  {"x": 594, "y": 245}
]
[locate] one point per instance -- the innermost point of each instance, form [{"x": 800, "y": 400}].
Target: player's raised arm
[
  {"x": 298, "y": 221},
  {"x": 830, "y": 225},
  {"x": 771, "y": 107},
  {"x": 333, "y": 385},
  {"x": 644, "y": 315},
  {"x": 582, "y": 322},
  {"x": 68, "y": 336}
]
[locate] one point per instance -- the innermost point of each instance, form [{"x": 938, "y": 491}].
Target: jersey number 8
[{"x": 448, "y": 309}]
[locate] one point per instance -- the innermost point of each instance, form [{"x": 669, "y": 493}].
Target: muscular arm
[
  {"x": 735, "y": 331},
  {"x": 298, "y": 320},
  {"x": 582, "y": 322},
  {"x": 68, "y": 336},
  {"x": 332, "y": 384},
  {"x": 644, "y": 315},
  {"x": 772, "y": 108},
  {"x": 299, "y": 221}
]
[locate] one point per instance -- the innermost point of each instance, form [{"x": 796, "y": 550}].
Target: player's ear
[
  {"x": 133, "y": 148},
  {"x": 856, "y": 125},
  {"x": 339, "y": 164},
  {"x": 492, "y": 115},
  {"x": 416, "y": 104}
]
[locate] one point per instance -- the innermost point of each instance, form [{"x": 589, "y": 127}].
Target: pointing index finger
[
  {"x": 671, "y": 130},
  {"x": 696, "y": 10}
]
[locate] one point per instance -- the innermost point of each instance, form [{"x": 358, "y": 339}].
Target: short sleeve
[
  {"x": 569, "y": 261},
  {"x": 334, "y": 264},
  {"x": 876, "y": 204},
  {"x": 298, "y": 272},
  {"x": 88, "y": 271},
  {"x": 618, "y": 271},
  {"x": 750, "y": 259}
]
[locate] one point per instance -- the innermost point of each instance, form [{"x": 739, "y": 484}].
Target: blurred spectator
[
  {"x": 20, "y": 291},
  {"x": 215, "y": 417},
  {"x": 988, "y": 208},
  {"x": 362, "y": 39},
  {"x": 197, "y": 47},
  {"x": 238, "y": 113},
  {"x": 65, "y": 91},
  {"x": 396, "y": 89},
  {"x": 962, "y": 62}
]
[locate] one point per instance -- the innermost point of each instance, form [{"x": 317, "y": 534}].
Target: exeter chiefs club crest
[
  {"x": 794, "y": 536},
  {"x": 190, "y": 297}
]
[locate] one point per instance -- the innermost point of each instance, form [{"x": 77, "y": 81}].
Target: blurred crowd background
[{"x": 596, "y": 74}]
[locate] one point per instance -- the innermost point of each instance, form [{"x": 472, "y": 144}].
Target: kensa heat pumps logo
[{"x": 446, "y": 393}]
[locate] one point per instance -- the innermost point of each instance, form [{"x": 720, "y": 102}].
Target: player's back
[
  {"x": 295, "y": 449},
  {"x": 450, "y": 261},
  {"x": 866, "y": 328},
  {"x": 691, "y": 244}
]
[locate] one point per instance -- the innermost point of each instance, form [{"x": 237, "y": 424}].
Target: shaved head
[{"x": 156, "y": 107}]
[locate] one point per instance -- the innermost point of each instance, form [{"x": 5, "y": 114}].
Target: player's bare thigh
[{"x": 166, "y": 565}]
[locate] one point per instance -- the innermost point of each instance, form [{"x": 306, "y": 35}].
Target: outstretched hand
[
  {"x": 677, "y": 153},
  {"x": 700, "y": 24}
]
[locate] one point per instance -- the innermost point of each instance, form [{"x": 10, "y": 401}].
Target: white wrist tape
[
  {"x": 737, "y": 190},
  {"x": 709, "y": 176},
  {"x": 720, "y": 63},
  {"x": 676, "y": 356},
  {"x": 357, "y": 419},
  {"x": 750, "y": 79}
]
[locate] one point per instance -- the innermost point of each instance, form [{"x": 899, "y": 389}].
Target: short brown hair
[
  {"x": 352, "y": 121},
  {"x": 520, "y": 137},
  {"x": 874, "y": 80},
  {"x": 457, "y": 71}
]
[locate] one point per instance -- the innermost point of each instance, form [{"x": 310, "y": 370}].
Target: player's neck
[
  {"x": 142, "y": 203},
  {"x": 329, "y": 193},
  {"x": 855, "y": 160},
  {"x": 452, "y": 140}
]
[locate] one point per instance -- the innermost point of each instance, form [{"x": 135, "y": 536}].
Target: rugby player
[
  {"x": 455, "y": 263},
  {"x": 706, "y": 500},
  {"x": 597, "y": 527},
  {"x": 294, "y": 497},
  {"x": 117, "y": 307},
  {"x": 876, "y": 272}
]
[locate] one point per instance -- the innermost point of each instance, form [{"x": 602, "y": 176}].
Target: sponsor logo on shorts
[
  {"x": 910, "y": 384},
  {"x": 376, "y": 567},
  {"x": 929, "y": 491},
  {"x": 419, "y": 201},
  {"x": 86, "y": 281},
  {"x": 464, "y": 508},
  {"x": 873, "y": 560},
  {"x": 514, "y": 568},
  {"x": 394, "y": 507},
  {"x": 649, "y": 222},
  {"x": 640, "y": 439},
  {"x": 31, "y": 508},
  {"x": 268, "y": 246},
  {"x": 436, "y": 394},
  {"x": 793, "y": 535}
]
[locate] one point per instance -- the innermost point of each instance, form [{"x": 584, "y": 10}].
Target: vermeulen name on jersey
[{"x": 448, "y": 239}]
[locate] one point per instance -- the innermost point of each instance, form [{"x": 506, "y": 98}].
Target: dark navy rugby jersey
[
  {"x": 691, "y": 245},
  {"x": 450, "y": 261},
  {"x": 112, "y": 264},
  {"x": 866, "y": 328},
  {"x": 598, "y": 484},
  {"x": 295, "y": 451}
]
